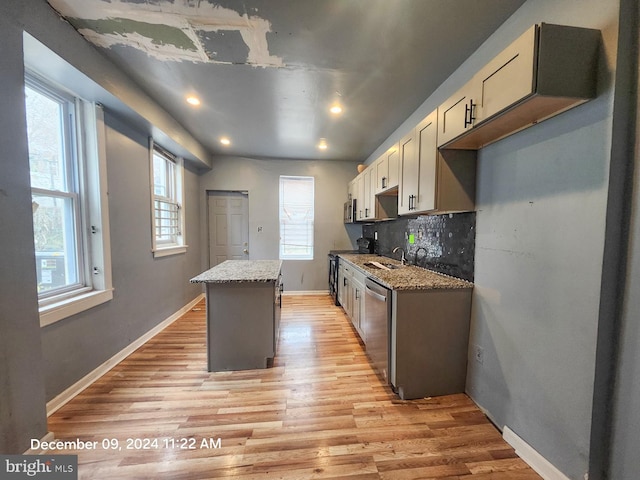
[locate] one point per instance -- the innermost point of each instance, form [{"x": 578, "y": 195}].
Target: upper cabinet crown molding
[{"x": 547, "y": 70}]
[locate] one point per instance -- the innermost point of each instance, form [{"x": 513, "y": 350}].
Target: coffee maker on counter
[{"x": 365, "y": 245}]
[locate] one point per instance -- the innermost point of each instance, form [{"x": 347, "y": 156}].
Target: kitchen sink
[
  {"x": 383, "y": 266},
  {"x": 392, "y": 266}
]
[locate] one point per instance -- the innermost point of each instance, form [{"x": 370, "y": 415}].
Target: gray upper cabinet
[
  {"x": 394, "y": 165},
  {"x": 427, "y": 159},
  {"x": 386, "y": 168},
  {"x": 364, "y": 193},
  {"x": 454, "y": 115},
  {"x": 432, "y": 181},
  {"x": 505, "y": 79},
  {"x": 408, "y": 189},
  {"x": 547, "y": 70}
]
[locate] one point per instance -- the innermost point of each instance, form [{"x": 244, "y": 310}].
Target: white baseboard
[
  {"x": 292, "y": 293},
  {"x": 63, "y": 398},
  {"x": 541, "y": 465},
  {"x": 49, "y": 437}
]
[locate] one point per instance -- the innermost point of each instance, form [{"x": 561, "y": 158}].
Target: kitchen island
[{"x": 243, "y": 313}]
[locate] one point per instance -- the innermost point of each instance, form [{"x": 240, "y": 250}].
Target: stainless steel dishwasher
[{"x": 377, "y": 314}]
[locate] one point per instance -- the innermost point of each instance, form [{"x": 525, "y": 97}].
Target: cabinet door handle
[
  {"x": 469, "y": 113},
  {"x": 412, "y": 203},
  {"x": 357, "y": 296},
  {"x": 366, "y": 212},
  {"x": 384, "y": 182}
]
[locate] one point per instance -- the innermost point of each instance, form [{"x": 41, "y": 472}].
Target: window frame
[
  {"x": 70, "y": 191},
  {"x": 86, "y": 151},
  {"x": 175, "y": 196},
  {"x": 310, "y": 223}
]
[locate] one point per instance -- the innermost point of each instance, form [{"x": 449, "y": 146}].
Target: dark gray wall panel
[{"x": 623, "y": 460}]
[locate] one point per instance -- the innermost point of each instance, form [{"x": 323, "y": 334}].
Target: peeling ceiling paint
[
  {"x": 173, "y": 31},
  {"x": 380, "y": 58}
]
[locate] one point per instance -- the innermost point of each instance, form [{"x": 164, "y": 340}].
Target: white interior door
[{"x": 228, "y": 218}]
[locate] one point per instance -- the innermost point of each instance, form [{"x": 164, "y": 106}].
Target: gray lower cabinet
[
  {"x": 242, "y": 324},
  {"x": 351, "y": 295},
  {"x": 357, "y": 302},
  {"x": 344, "y": 287},
  {"x": 429, "y": 341},
  {"x": 428, "y": 332}
]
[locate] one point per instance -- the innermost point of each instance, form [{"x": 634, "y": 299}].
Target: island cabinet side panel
[
  {"x": 240, "y": 325},
  {"x": 430, "y": 332}
]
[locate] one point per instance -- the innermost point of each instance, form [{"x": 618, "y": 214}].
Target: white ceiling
[{"x": 267, "y": 71}]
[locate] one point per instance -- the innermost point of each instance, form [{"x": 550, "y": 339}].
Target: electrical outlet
[{"x": 478, "y": 354}]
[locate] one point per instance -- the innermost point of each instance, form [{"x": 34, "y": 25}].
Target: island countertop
[{"x": 236, "y": 271}]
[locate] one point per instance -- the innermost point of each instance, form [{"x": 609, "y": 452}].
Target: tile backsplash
[{"x": 444, "y": 243}]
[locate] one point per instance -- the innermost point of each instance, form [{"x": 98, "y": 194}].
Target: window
[
  {"x": 296, "y": 218},
  {"x": 69, "y": 223},
  {"x": 168, "y": 217}
]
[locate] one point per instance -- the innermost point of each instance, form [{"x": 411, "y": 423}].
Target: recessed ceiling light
[
  {"x": 322, "y": 145},
  {"x": 193, "y": 100},
  {"x": 225, "y": 141},
  {"x": 336, "y": 109}
]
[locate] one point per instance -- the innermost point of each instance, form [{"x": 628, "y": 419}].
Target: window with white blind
[
  {"x": 167, "y": 208},
  {"x": 296, "y": 217}
]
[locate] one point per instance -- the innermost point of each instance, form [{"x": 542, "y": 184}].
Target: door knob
[{"x": 245, "y": 251}]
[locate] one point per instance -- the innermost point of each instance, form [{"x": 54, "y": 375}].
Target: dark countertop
[
  {"x": 235, "y": 271},
  {"x": 406, "y": 277}
]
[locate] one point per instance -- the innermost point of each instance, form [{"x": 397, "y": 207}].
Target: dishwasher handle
[{"x": 374, "y": 293}]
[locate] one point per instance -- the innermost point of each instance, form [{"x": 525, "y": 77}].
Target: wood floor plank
[{"x": 319, "y": 413}]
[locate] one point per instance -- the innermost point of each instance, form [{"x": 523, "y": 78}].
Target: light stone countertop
[
  {"x": 236, "y": 271},
  {"x": 407, "y": 277}
]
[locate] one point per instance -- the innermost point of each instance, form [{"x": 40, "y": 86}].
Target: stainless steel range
[
  {"x": 365, "y": 245},
  {"x": 333, "y": 273}
]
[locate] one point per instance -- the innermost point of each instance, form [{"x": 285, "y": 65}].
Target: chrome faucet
[
  {"x": 402, "y": 260},
  {"x": 415, "y": 260}
]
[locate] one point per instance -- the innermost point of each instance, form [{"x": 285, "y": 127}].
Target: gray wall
[
  {"x": 261, "y": 179},
  {"x": 541, "y": 212},
  {"x": 541, "y": 201},
  {"x": 38, "y": 363},
  {"x": 146, "y": 290}
]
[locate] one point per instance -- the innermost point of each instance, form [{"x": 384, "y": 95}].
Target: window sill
[
  {"x": 165, "y": 252},
  {"x": 70, "y": 306}
]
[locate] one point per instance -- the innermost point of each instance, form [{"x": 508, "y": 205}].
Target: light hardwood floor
[{"x": 319, "y": 413}]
